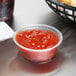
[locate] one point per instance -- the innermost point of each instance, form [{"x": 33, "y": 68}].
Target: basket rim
[{"x": 62, "y": 4}]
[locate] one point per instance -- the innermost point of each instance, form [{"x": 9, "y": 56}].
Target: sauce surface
[{"x": 37, "y": 39}]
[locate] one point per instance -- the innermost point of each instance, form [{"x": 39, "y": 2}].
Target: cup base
[{"x": 41, "y": 62}]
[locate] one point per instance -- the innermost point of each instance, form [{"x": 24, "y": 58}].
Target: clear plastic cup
[{"x": 41, "y": 55}]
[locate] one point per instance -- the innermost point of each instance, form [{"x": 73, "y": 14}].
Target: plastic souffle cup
[{"x": 40, "y": 55}]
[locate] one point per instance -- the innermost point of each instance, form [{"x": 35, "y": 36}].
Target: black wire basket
[{"x": 62, "y": 9}]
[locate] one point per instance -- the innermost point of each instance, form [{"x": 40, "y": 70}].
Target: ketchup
[{"x": 37, "y": 39}]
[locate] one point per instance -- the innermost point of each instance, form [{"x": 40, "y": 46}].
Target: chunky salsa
[{"x": 37, "y": 39}]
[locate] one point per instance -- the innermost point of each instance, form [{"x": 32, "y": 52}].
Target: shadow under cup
[{"x": 42, "y": 55}]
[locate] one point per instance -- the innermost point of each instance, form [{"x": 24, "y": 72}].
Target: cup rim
[{"x": 39, "y": 50}]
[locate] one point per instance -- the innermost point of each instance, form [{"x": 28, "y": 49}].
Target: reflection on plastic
[{"x": 19, "y": 64}]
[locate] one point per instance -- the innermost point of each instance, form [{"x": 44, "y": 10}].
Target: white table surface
[{"x": 37, "y": 12}]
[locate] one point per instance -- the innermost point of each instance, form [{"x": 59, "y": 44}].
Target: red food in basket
[
  {"x": 37, "y": 39},
  {"x": 69, "y": 2}
]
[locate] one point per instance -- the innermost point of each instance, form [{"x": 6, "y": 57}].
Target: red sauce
[{"x": 37, "y": 39}]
